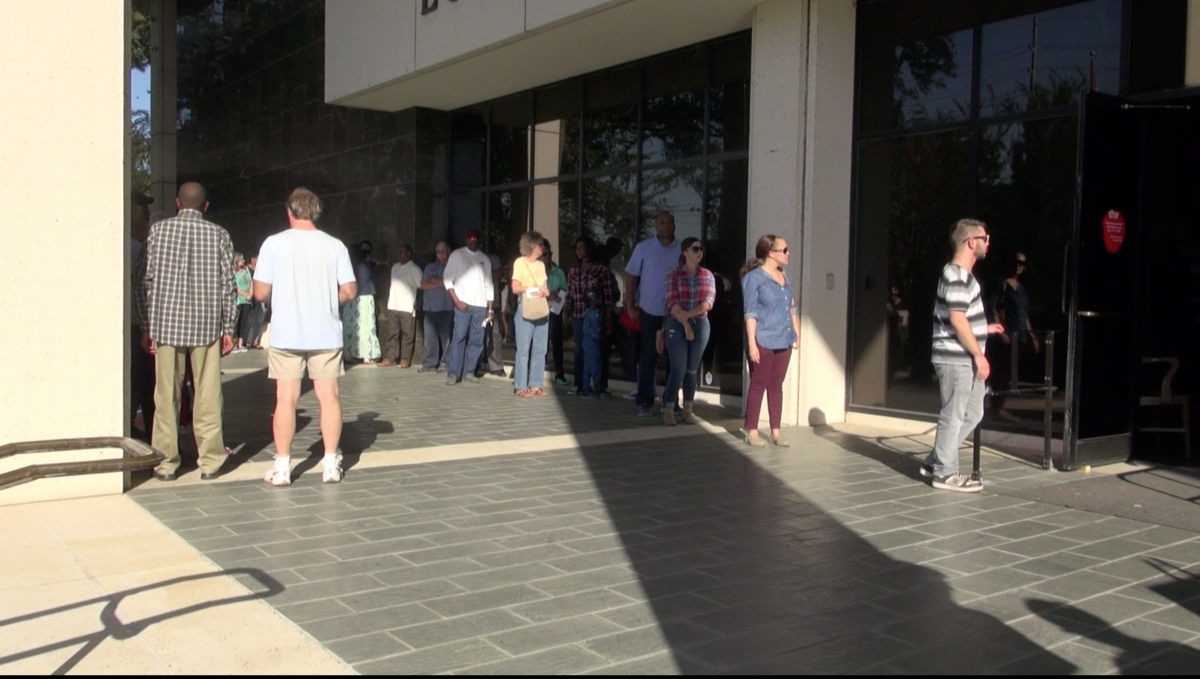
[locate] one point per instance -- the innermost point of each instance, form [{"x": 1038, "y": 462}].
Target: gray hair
[
  {"x": 304, "y": 204},
  {"x": 530, "y": 240}
]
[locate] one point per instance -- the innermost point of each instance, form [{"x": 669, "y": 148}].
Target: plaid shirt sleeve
[
  {"x": 140, "y": 307},
  {"x": 708, "y": 288},
  {"x": 673, "y": 294},
  {"x": 229, "y": 281},
  {"x": 606, "y": 286}
]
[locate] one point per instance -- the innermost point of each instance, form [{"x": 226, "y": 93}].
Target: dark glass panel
[
  {"x": 466, "y": 212},
  {"x": 915, "y": 62},
  {"x": 1026, "y": 195},
  {"x": 611, "y": 134},
  {"x": 1042, "y": 59},
  {"x": 729, "y": 96},
  {"x": 1158, "y": 45},
  {"x": 678, "y": 190},
  {"x": 610, "y": 207},
  {"x": 673, "y": 117},
  {"x": 911, "y": 190},
  {"x": 468, "y": 134},
  {"x": 725, "y": 248},
  {"x": 508, "y": 218},
  {"x": 558, "y": 117},
  {"x": 556, "y": 217},
  {"x": 511, "y": 120}
]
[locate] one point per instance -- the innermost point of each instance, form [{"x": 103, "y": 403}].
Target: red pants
[{"x": 767, "y": 376}]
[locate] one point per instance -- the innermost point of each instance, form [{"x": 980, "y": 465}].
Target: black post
[{"x": 1048, "y": 382}]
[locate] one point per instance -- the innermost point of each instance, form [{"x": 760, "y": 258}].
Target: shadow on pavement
[{"x": 115, "y": 628}]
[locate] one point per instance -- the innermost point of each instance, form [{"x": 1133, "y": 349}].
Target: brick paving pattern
[{"x": 690, "y": 555}]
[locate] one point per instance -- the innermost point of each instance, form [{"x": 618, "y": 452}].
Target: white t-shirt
[
  {"x": 406, "y": 281},
  {"x": 469, "y": 275},
  {"x": 304, "y": 269}
]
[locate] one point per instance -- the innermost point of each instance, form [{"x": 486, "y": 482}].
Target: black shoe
[
  {"x": 498, "y": 373},
  {"x": 209, "y": 476},
  {"x": 165, "y": 477}
]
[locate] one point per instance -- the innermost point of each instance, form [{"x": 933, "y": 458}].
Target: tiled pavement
[{"x": 692, "y": 555}]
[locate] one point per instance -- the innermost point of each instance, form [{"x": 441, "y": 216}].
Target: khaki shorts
[{"x": 289, "y": 365}]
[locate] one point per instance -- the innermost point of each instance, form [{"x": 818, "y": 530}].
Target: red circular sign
[{"x": 1114, "y": 230}]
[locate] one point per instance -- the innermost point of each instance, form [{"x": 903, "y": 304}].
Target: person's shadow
[
  {"x": 1132, "y": 655},
  {"x": 256, "y": 441},
  {"x": 357, "y": 436}
]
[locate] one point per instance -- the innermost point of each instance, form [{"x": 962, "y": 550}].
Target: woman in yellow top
[{"x": 532, "y": 317}]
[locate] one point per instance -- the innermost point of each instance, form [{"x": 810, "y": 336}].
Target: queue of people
[{"x": 321, "y": 299}]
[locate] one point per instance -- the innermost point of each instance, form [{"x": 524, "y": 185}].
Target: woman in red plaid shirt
[{"x": 691, "y": 291}]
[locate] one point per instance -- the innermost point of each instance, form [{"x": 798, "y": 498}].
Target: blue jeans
[
  {"x": 962, "y": 409},
  {"x": 648, "y": 360},
  {"x": 467, "y": 343},
  {"x": 530, "y": 369},
  {"x": 684, "y": 355},
  {"x": 439, "y": 327}
]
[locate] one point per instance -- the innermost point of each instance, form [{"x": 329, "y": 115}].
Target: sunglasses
[
  {"x": 1021, "y": 262},
  {"x": 696, "y": 248},
  {"x": 986, "y": 238},
  {"x": 783, "y": 250}
]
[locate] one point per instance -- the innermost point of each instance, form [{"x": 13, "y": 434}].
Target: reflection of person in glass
[
  {"x": 960, "y": 331},
  {"x": 1012, "y": 311}
]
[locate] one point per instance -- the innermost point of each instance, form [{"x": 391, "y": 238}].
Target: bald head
[{"x": 192, "y": 196}]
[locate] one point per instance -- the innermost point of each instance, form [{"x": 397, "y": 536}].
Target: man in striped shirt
[{"x": 960, "y": 331}]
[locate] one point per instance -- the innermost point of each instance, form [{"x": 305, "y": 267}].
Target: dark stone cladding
[{"x": 254, "y": 125}]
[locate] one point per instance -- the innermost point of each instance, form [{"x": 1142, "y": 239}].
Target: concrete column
[
  {"x": 825, "y": 267},
  {"x": 1192, "y": 74},
  {"x": 801, "y": 134},
  {"x": 164, "y": 72},
  {"x": 778, "y": 90},
  {"x": 66, "y": 114}
]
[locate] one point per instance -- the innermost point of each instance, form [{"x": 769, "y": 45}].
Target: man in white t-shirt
[
  {"x": 306, "y": 275},
  {"x": 401, "y": 338},
  {"x": 468, "y": 281}
]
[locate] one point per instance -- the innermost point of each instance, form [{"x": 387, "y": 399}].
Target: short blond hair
[
  {"x": 530, "y": 240},
  {"x": 304, "y": 204}
]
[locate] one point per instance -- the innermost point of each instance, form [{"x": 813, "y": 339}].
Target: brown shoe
[
  {"x": 385, "y": 364},
  {"x": 405, "y": 364}
]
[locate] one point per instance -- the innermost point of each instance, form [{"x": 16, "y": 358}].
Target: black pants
[
  {"x": 556, "y": 345},
  {"x": 244, "y": 321},
  {"x": 141, "y": 382}
]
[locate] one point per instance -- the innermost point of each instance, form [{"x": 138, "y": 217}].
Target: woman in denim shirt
[{"x": 772, "y": 334}]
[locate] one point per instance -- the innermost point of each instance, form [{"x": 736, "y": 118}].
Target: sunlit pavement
[{"x": 457, "y": 544}]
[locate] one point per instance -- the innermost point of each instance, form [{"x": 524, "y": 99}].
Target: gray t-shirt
[
  {"x": 957, "y": 290},
  {"x": 435, "y": 299}
]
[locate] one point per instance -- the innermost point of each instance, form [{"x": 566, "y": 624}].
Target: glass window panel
[
  {"x": 729, "y": 96},
  {"x": 468, "y": 131},
  {"x": 1026, "y": 194},
  {"x": 911, "y": 190},
  {"x": 673, "y": 117},
  {"x": 557, "y": 120},
  {"x": 508, "y": 218},
  {"x": 611, "y": 134},
  {"x": 466, "y": 212},
  {"x": 1043, "y": 59},
  {"x": 725, "y": 250},
  {"x": 511, "y": 120},
  {"x": 678, "y": 190},
  {"x": 556, "y": 217},
  {"x": 915, "y": 62},
  {"x": 610, "y": 208}
]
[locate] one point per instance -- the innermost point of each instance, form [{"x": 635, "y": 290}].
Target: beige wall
[{"x": 64, "y": 185}]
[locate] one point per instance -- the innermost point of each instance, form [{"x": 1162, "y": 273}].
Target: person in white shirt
[
  {"x": 306, "y": 275},
  {"x": 468, "y": 281},
  {"x": 402, "y": 298}
]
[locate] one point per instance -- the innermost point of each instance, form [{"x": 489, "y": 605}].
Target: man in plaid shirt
[{"x": 186, "y": 306}]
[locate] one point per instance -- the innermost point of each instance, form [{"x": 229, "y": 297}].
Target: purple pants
[{"x": 767, "y": 376}]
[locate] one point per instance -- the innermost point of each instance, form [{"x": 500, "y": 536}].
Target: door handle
[{"x": 1104, "y": 314}]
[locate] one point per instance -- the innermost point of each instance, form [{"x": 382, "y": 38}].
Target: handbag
[{"x": 534, "y": 308}]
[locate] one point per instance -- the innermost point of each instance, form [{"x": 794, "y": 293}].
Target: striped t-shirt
[{"x": 957, "y": 290}]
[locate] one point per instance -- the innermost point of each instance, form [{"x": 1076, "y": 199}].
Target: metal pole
[
  {"x": 1048, "y": 460},
  {"x": 1014, "y": 338}
]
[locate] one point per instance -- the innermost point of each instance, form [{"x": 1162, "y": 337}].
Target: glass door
[{"x": 1100, "y": 299}]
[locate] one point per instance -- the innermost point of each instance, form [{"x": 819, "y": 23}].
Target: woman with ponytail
[{"x": 772, "y": 334}]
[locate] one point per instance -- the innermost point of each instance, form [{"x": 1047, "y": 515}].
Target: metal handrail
[
  {"x": 1047, "y": 389},
  {"x": 137, "y": 456}
]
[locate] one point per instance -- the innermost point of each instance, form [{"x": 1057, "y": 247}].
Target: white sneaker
[
  {"x": 280, "y": 473},
  {"x": 332, "y": 468},
  {"x": 957, "y": 482}
]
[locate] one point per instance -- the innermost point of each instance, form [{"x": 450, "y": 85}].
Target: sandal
[
  {"x": 538, "y": 391},
  {"x": 523, "y": 393}
]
